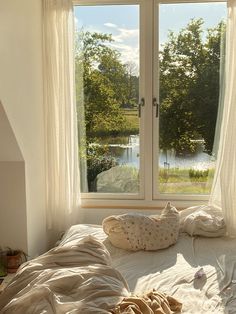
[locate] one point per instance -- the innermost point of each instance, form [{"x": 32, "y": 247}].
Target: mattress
[{"x": 173, "y": 270}]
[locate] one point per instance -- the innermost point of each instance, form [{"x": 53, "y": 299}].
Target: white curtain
[
  {"x": 223, "y": 193},
  {"x": 61, "y": 140}
]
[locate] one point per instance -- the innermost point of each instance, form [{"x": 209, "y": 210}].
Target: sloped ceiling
[{"x": 9, "y": 149}]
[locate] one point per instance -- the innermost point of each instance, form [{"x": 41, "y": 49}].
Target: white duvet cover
[
  {"x": 53, "y": 283},
  {"x": 74, "y": 278},
  {"x": 172, "y": 270}
]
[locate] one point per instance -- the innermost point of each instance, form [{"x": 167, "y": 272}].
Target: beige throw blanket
[
  {"x": 151, "y": 303},
  {"x": 75, "y": 277}
]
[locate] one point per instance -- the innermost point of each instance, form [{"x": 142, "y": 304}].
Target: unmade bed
[{"x": 171, "y": 271}]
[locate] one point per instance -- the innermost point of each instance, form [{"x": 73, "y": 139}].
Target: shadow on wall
[{"x": 13, "y": 223}]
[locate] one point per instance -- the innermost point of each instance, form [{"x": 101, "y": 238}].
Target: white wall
[
  {"x": 13, "y": 226},
  {"x": 9, "y": 148},
  {"x": 13, "y": 222},
  {"x": 21, "y": 96}
]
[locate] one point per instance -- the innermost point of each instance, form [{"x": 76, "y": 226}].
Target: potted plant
[{"x": 14, "y": 258}]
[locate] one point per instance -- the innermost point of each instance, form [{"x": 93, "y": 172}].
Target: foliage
[
  {"x": 98, "y": 160},
  {"x": 197, "y": 174},
  {"x": 185, "y": 180},
  {"x": 13, "y": 252},
  {"x": 189, "y": 87},
  {"x": 108, "y": 84},
  {"x": 107, "y": 93}
]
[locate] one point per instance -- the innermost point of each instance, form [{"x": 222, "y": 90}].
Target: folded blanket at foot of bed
[{"x": 71, "y": 278}]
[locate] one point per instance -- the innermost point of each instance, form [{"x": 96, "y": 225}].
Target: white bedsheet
[{"x": 172, "y": 270}]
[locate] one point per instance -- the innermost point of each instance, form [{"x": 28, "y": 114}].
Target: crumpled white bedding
[
  {"x": 203, "y": 220},
  {"x": 75, "y": 277},
  {"x": 173, "y": 270}
]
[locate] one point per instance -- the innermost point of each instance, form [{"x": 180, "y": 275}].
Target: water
[{"x": 126, "y": 150}]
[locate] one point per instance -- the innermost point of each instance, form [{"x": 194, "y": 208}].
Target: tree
[
  {"x": 189, "y": 87},
  {"x": 132, "y": 85},
  {"x": 206, "y": 89},
  {"x": 104, "y": 83}
]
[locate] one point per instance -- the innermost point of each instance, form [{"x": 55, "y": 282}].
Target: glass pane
[
  {"x": 191, "y": 42},
  {"x": 107, "y": 93}
]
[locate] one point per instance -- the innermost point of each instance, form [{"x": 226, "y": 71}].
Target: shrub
[
  {"x": 99, "y": 159},
  {"x": 196, "y": 174}
]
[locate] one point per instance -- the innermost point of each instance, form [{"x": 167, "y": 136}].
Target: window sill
[{"x": 140, "y": 204}]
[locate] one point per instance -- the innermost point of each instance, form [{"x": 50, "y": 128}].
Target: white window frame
[{"x": 148, "y": 196}]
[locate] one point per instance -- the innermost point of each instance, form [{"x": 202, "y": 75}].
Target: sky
[{"x": 122, "y": 21}]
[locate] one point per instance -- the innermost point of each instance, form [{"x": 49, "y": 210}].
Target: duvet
[
  {"x": 68, "y": 279},
  {"x": 77, "y": 277}
]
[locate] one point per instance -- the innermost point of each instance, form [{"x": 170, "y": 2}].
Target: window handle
[
  {"x": 140, "y": 105},
  {"x": 155, "y": 104}
]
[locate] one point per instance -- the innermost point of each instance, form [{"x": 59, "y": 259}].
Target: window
[{"x": 148, "y": 96}]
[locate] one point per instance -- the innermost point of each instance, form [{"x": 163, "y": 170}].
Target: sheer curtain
[
  {"x": 223, "y": 193},
  {"x": 61, "y": 140}
]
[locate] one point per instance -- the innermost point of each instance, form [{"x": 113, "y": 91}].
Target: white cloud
[
  {"x": 129, "y": 54},
  {"x": 126, "y": 41},
  {"x": 110, "y": 25},
  {"x": 126, "y": 34}
]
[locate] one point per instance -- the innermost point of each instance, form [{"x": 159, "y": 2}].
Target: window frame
[{"x": 148, "y": 197}]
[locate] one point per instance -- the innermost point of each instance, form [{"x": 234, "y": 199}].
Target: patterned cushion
[{"x": 140, "y": 232}]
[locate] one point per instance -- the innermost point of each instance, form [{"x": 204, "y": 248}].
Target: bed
[{"x": 171, "y": 271}]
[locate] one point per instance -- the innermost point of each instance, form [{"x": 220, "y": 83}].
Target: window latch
[
  {"x": 140, "y": 105},
  {"x": 155, "y": 104}
]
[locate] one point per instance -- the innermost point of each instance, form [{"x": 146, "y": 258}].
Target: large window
[{"x": 148, "y": 95}]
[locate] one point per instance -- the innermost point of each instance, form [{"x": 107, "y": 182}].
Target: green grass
[
  {"x": 182, "y": 181},
  {"x": 132, "y": 125},
  {"x": 130, "y": 112}
]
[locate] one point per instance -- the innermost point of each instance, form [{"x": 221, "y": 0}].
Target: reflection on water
[
  {"x": 200, "y": 160},
  {"x": 126, "y": 151}
]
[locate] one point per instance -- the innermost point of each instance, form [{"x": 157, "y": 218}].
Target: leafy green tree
[
  {"x": 189, "y": 87},
  {"x": 132, "y": 86},
  {"x": 104, "y": 84},
  {"x": 205, "y": 91}
]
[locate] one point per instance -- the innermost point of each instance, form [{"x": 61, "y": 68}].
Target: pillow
[
  {"x": 202, "y": 220},
  {"x": 140, "y": 232}
]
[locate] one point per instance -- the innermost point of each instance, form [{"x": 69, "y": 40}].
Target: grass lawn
[
  {"x": 179, "y": 181},
  {"x": 132, "y": 119}
]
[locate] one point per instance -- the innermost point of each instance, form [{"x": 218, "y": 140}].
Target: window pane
[
  {"x": 107, "y": 93},
  {"x": 191, "y": 37}
]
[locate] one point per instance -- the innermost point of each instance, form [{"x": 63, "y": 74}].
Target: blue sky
[{"x": 122, "y": 21}]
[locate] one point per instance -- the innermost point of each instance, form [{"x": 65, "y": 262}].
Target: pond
[{"x": 126, "y": 151}]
